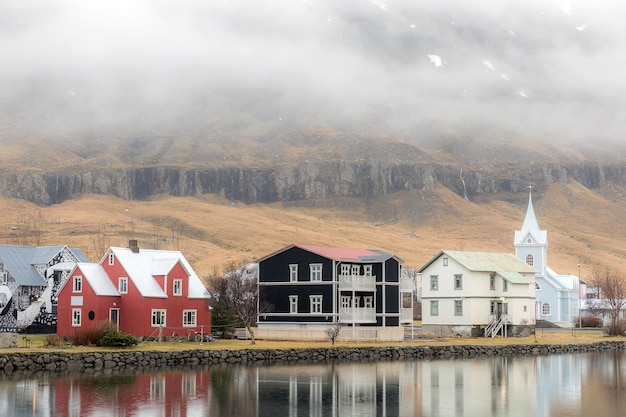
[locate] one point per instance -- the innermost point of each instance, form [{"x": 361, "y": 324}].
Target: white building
[
  {"x": 558, "y": 295},
  {"x": 471, "y": 293}
]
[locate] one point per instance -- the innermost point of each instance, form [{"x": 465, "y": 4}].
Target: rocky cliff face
[{"x": 302, "y": 182}]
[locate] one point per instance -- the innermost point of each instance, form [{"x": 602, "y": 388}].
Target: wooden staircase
[{"x": 497, "y": 325}]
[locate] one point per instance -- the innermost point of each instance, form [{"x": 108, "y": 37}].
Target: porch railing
[{"x": 350, "y": 282}]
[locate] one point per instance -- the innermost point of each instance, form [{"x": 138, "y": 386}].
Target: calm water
[{"x": 560, "y": 385}]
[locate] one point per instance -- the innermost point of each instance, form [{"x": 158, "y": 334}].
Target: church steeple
[{"x": 531, "y": 242}]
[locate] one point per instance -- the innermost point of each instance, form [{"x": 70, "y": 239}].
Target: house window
[
  {"x": 492, "y": 282},
  {"x": 545, "y": 309},
  {"x": 458, "y": 281},
  {"x": 525, "y": 309},
  {"x": 505, "y": 285},
  {"x": 190, "y": 318},
  {"x": 158, "y": 318},
  {"x": 529, "y": 240},
  {"x": 178, "y": 287},
  {"x": 530, "y": 259},
  {"x": 316, "y": 304},
  {"x": 434, "y": 307},
  {"x": 122, "y": 285},
  {"x": 293, "y": 272},
  {"x": 368, "y": 302},
  {"x": 293, "y": 304},
  {"x": 346, "y": 302},
  {"x": 78, "y": 284},
  {"x": 355, "y": 270},
  {"x": 76, "y": 314},
  {"x": 316, "y": 272},
  {"x": 434, "y": 282},
  {"x": 111, "y": 259},
  {"x": 367, "y": 270},
  {"x": 445, "y": 261},
  {"x": 458, "y": 307}
]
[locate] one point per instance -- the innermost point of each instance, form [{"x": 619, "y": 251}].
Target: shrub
[
  {"x": 591, "y": 322},
  {"x": 114, "y": 338},
  {"x": 89, "y": 336}
]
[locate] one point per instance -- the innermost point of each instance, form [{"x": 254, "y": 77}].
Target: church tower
[{"x": 531, "y": 244}]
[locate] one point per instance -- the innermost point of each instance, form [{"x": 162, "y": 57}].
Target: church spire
[{"x": 530, "y": 221}]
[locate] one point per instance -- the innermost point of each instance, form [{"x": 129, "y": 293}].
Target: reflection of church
[{"x": 30, "y": 277}]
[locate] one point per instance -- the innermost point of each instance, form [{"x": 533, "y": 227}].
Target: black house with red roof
[{"x": 306, "y": 290}]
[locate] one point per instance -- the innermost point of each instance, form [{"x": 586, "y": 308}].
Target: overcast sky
[{"x": 553, "y": 66}]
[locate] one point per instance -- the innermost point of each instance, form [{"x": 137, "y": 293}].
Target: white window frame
[
  {"x": 458, "y": 281},
  {"x": 458, "y": 308},
  {"x": 158, "y": 317},
  {"x": 190, "y": 318},
  {"x": 434, "y": 282},
  {"x": 445, "y": 261},
  {"x": 355, "y": 270},
  {"x": 77, "y": 284},
  {"x": 492, "y": 282},
  {"x": 293, "y": 272},
  {"x": 122, "y": 285},
  {"x": 345, "y": 269},
  {"x": 346, "y": 301},
  {"x": 111, "y": 259},
  {"x": 505, "y": 285},
  {"x": 316, "y": 272},
  {"x": 434, "y": 308},
  {"x": 316, "y": 304},
  {"x": 367, "y": 270},
  {"x": 368, "y": 301},
  {"x": 546, "y": 309},
  {"x": 76, "y": 317},
  {"x": 293, "y": 304},
  {"x": 177, "y": 287},
  {"x": 530, "y": 259}
]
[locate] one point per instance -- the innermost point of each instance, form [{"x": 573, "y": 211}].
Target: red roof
[{"x": 347, "y": 254}]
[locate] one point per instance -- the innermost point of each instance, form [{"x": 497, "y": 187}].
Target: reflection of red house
[
  {"x": 143, "y": 292},
  {"x": 176, "y": 393}
]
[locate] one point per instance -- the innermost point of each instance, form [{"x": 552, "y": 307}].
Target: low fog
[{"x": 547, "y": 67}]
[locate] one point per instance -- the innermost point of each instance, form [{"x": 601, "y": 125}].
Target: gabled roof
[
  {"x": 97, "y": 278},
  {"x": 341, "y": 254},
  {"x": 507, "y": 265},
  {"x": 20, "y": 261},
  {"x": 142, "y": 266}
]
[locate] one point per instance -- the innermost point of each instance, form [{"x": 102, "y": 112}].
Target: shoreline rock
[{"x": 137, "y": 360}]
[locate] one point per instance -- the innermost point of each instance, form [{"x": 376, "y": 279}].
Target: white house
[
  {"x": 558, "y": 295},
  {"x": 469, "y": 293}
]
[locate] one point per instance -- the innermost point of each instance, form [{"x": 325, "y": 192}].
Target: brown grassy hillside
[{"x": 583, "y": 226}]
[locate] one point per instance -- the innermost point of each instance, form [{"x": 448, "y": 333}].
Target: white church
[{"x": 557, "y": 296}]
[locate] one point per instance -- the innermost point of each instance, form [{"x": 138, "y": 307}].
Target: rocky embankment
[{"x": 139, "y": 360}]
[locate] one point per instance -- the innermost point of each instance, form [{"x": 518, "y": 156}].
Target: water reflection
[{"x": 559, "y": 385}]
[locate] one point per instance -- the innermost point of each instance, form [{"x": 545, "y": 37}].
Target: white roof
[
  {"x": 98, "y": 279},
  {"x": 143, "y": 265}
]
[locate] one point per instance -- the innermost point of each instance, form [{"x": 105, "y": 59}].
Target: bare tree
[
  {"x": 613, "y": 289},
  {"x": 333, "y": 332},
  {"x": 240, "y": 293}
]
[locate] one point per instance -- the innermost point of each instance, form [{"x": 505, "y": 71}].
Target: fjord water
[{"x": 589, "y": 384}]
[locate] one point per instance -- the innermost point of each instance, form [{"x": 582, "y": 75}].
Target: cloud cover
[{"x": 547, "y": 66}]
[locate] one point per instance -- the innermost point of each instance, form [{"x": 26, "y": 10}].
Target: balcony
[
  {"x": 349, "y": 282},
  {"x": 407, "y": 285},
  {"x": 357, "y": 315}
]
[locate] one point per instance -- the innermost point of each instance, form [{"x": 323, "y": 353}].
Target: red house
[{"x": 142, "y": 292}]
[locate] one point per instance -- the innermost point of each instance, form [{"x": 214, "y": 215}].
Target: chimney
[{"x": 132, "y": 245}]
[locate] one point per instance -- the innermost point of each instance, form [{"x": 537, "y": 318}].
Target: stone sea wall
[{"x": 131, "y": 360}]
